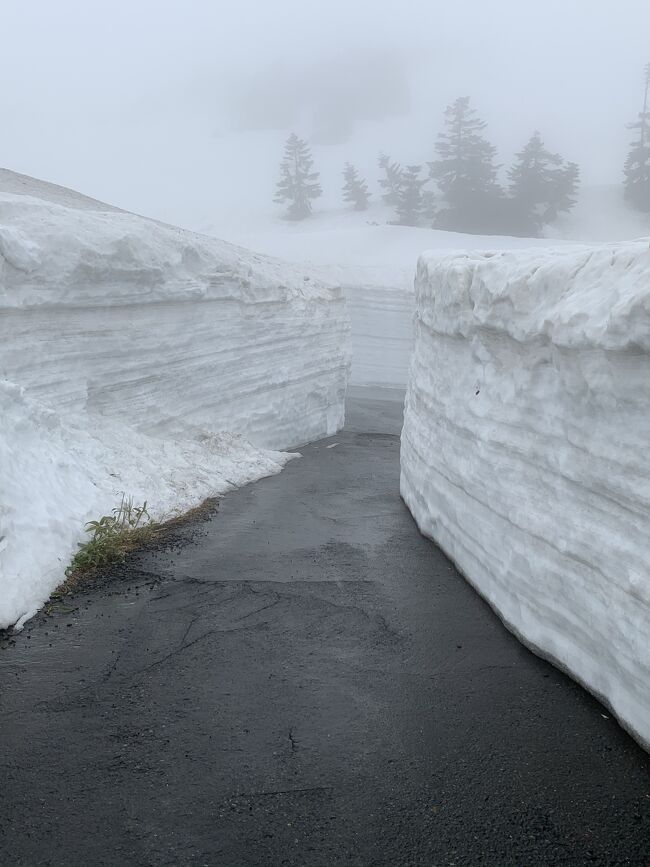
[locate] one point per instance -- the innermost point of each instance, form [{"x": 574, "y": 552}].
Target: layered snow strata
[
  {"x": 109, "y": 312},
  {"x": 525, "y": 450},
  {"x": 139, "y": 357},
  {"x": 381, "y": 305}
]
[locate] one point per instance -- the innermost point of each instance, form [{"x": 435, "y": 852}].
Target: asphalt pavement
[{"x": 303, "y": 679}]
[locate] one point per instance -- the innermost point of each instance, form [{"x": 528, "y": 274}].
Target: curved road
[{"x": 306, "y": 681}]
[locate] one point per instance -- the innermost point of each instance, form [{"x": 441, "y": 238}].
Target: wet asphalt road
[{"x": 308, "y": 682}]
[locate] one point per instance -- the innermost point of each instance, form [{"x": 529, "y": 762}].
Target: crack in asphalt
[{"x": 272, "y": 794}]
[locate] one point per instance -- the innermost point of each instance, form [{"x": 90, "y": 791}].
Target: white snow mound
[
  {"x": 137, "y": 357},
  {"x": 524, "y": 450}
]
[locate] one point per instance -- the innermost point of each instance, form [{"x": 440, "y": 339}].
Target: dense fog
[{"x": 181, "y": 110}]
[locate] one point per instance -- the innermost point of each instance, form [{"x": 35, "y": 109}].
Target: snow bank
[
  {"x": 138, "y": 357},
  {"x": 524, "y": 450}
]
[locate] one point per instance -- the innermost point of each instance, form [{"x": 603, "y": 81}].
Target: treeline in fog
[{"x": 463, "y": 188}]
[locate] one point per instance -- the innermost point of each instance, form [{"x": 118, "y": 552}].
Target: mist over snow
[{"x": 180, "y": 111}]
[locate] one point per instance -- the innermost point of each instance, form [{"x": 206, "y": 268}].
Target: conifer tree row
[{"x": 462, "y": 192}]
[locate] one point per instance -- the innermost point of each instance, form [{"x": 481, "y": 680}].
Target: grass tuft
[
  {"x": 111, "y": 537},
  {"x": 127, "y": 528}
]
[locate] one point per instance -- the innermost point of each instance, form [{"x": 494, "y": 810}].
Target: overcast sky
[{"x": 179, "y": 108}]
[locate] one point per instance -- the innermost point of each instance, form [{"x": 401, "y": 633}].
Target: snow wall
[
  {"x": 381, "y": 304},
  {"x": 525, "y": 450},
  {"x": 137, "y": 357}
]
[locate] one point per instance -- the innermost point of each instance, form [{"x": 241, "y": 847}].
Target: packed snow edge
[{"x": 523, "y": 449}]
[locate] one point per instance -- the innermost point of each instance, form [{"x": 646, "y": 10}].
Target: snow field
[
  {"x": 524, "y": 450},
  {"x": 140, "y": 358}
]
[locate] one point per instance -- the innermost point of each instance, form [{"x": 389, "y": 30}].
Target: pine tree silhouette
[
  {"x": 392, "y": 181},
  {"x": 566, "y": 182},
  {"x": 298, "y": 183},
  {"x": 410, "y": 203},
  {"x": 465, "y": 172},
  {"x": 541, "y": 185},
  {"x": 355, "y": 189},
  {"x": 637, "y": 164}
]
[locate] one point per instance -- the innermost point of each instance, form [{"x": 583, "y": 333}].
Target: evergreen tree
[
  {"x": 298, "y": 183},
  {"x": 429, "y": 206},
  {"x": 392, "y": 180},
  {"x": 410, "y": 203},
  {"x": 541, "y": 185},
  {"x": 566, "y": 181},
  {"x": 465, "y": 172},
  {"x": 637, "y": 165},
  {"x": 355, "y": 188}
]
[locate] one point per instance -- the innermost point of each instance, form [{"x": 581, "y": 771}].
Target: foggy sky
[{"x": 179, "y": 108}]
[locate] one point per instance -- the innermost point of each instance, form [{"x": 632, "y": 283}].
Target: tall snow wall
[
  {"x": 139, "y": 357},
  {"x": 167, "y": 329},
  {"x": 524, "y": 452}
]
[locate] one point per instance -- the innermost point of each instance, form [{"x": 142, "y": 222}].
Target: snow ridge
[{"x": 524, "y": 449}]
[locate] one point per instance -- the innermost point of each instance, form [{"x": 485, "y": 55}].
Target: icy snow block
[
  {"x": 524, "y": 452},
  {"x": 140, "y": 358}
]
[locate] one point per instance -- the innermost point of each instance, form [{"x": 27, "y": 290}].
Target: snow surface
[
  {"x": 140, "y": 358},
  {"x": 524, "y": 449}
]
